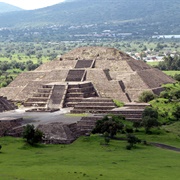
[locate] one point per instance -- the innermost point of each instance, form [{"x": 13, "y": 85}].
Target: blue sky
[{"x": 32, "y": 4}]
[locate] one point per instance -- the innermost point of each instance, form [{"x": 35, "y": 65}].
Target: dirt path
[{"x": 164, "y": 146}]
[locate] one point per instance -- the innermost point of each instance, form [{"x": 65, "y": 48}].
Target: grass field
[
  {"x": 153, "y": 63},
  {"x": 85, "y": 159},
  {"x": 171, "y": 73}
]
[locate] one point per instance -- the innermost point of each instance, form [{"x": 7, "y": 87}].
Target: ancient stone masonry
[
  {"x": 59, "y": 133},
  {"x": 7, "y": 124},
  {"x": 131, "y": 112},
  {"x": 112, "y": 74},
  {"x": 6, "y": 105}
]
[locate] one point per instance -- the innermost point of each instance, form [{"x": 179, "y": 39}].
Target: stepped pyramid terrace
[
  {"x": 83, "y": 73},
  {"x": 85, "y": 80}
]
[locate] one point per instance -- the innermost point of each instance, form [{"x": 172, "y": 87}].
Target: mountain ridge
[
  {"x": 98, "y": 11},
  {"x": 80, "y": 17},
  {"x": 5, "y": 8}
]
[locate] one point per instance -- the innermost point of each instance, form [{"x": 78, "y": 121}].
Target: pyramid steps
[
  {"x": 40, "y": 98},
  {"x": 77, "y": 92},
  {"x": 75, "y": 75},
  {"x": 94, "y": 105}
]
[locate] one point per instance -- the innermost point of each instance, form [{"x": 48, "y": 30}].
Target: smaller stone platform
[{"x": 8, "y": 123}]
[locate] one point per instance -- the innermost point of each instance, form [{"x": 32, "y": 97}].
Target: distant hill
[
  {"x": 134, "y": 16},
  {"x": 98, "y": 11},
  {"x": 4, "y": 8}
]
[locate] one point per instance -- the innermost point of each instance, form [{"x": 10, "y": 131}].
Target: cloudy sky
[{"x": 32, "y": 4}]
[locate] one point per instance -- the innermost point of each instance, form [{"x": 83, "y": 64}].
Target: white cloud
[{"x": 31, "y": 4}]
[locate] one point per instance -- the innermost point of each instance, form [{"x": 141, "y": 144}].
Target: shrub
[
  {"x": 149, "y": 118},
  {"x": 132, "y": 140},
  {"x": 128, "y": 129},
  {"x": 32, "y": 135},
  {"x": 165, "y": 94},
  {"x": 106, "y": 138},
  {"x": 110, "y": 124},
  {"x": 136, "y": 124},
  {"x": 128, "y": 147},
  {"x": 146, "y": 96},
  {"x": 177, "y": 77},
  {"x": 176, "y": 113},
  {"x": 118, "y": 103}
]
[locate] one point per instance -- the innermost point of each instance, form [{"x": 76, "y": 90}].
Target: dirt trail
[{"x": 164, "y": 146}]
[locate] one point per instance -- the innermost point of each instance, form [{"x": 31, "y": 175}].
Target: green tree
[
  {"x": 176, "y": 113},
  {"x": 170, "y": 63},
  {"x": 109, "y": 124},
  {"x": 132, "y": 140},
  {"x": 32, "y": 135},
  {"x": 146, "y": 96},
  {"x": 177, "y": 77},
  {"x": 149, "y": 118}
]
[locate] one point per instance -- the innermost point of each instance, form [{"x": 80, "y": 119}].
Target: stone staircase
[
  {"x": 84, "y": 64},
  {"x": 94, "y": 105},
  {"x": 40, "y": 98},
  {"x": 78, "y": 91},
  {"x": 75, "y": 75}
]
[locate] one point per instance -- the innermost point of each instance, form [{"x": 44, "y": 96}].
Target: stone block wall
[{"x": 8, "y": 124}]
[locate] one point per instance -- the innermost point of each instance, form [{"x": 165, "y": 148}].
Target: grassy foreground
[{"x": 85, "y": 159}]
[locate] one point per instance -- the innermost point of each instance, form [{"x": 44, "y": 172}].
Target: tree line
[
  {"x": 170, "y": 63},
  {"x": 9, "y": 70}
]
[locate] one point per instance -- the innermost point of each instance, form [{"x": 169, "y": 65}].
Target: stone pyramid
[{"x": 86, "y": 72}]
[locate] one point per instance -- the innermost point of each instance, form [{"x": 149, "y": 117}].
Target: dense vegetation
[
  {"x": 164, "y": 110},
  {"x": 167, "y": 104},
  {"x": 170, "y": 63}
]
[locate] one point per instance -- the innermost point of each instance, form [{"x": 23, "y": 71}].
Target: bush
[
  {"x": 128, "y": 147},
  {"x": 128, "y": 129},
  {"x": 118, "y": 103},
  {"x": 146, "y": 96},
  {"x": 177, "y": 77},
  {"x": 132, "y": 140},
  {"x": 136, "y": 124},
  {"x": 149, "y": 118},
  {"x": 32, "y": 135},
  {"x": 165, "y": 94},
  {"x": 106, "y": 138},
  {"x": 176, "y": 113},
  {"x": 109, "y": 124}
]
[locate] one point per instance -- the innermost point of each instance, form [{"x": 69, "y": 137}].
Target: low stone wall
[
  {"x": 59, "y": 133},
  {"x": 7, "y": 124}
]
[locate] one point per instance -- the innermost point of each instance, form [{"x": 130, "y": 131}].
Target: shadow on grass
[{"x": 27, "y": 146}]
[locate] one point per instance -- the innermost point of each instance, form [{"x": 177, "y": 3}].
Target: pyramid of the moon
[{"x": 86, "y": 72}]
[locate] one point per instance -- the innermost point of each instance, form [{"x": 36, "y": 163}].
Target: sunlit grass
[{"x": 86, "y": 158}]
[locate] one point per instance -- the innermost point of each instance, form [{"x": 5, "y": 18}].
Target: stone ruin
[
  {"x": 87, "y": 80},
  {"x": 84, "y": 73},
  {"x": 6, "y": 105}
]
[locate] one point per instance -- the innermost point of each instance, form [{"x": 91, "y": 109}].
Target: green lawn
[
  {"x": 86, "y": 159},
  {"x": 171, "y": 73},
  {"x": 153, "y": 63}
]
